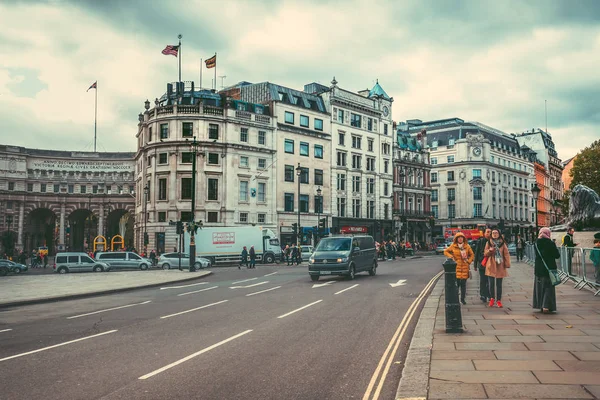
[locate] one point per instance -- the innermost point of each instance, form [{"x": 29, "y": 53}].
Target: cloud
[{"x": 494, "y": 62}]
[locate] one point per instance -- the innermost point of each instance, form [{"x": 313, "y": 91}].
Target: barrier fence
[{"x": 574, "y": 265}]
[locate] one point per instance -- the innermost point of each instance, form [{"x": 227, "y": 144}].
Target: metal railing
[{"x": 574, "y": 265}]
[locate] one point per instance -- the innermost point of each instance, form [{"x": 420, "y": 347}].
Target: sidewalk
[
  {"x": 511, "y": 353},
  {"x": 30, "y": 289}
]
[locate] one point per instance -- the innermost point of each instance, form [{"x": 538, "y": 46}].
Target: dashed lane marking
[
  {"x": 193, "y": 309},
  {"x": 108, "y": 309},
  {"x": 299, "y": 309},
  {"x": 184, "y": 286},
  {"x": 263, "y": 291},
  {"x": 245, "y": 280},
  {"x": 348, "y": 288},
  {"x": 197, "y": 291}
]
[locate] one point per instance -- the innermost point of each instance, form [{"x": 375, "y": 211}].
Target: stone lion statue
[{"x": 584, "y": 206}]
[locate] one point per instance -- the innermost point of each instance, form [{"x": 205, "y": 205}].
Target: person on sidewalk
[
  {"x": 252, "y": 257},
  {"x": 484, "y": 289},
  {"x": 595, "y": 257},
  {"x": 286, "y": 254},
  {"x": 244, "y": 258},
  {"x": 546, "y": 254},
  {"x": 498, "y": 263},
  {"x": 520, "y": 244},
  {"x": 569, "y": 244},
  {"x": 463, "y": 255}
]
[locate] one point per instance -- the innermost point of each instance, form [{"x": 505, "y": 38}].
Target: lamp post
[
  {"x": 402, "y": 204},
  {"x": 9, "y": 220},
  {"x": 450, "y": 200},
  {"x": 319, "y": 206},
  {"x": 146, "y": 193},
  {"x": 90, "y": 218},
  {"x": 192, "y": 225},
  {"x": 298, "y": 172},
  {"x": 535, "y": 191}
]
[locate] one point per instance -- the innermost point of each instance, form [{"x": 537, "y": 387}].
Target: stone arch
[
  {"x": 81, "y": 229},
  {"x": 119, "y": 221},
  {"x": 40, "y": 228}
]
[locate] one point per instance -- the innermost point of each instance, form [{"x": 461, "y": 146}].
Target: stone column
[
  {"x": 101, "y": 220},
  {"x": 20, "y": 226},
  {"x": 61, "y": 230}
]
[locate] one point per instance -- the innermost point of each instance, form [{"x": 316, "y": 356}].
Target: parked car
[
  {"x": 306, "y": 252},
  {"x": 343, "y": 255},
  {"x": 14, "y": 267},
  {"x": 441, "y": 247},
  {"x": 171, "y": 261},
  {"x": 512, "y": 249},
  {"x": 77, "y": 262},
  {"x": 124, "y": 260}
]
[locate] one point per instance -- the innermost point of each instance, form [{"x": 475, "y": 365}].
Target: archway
[
  {"x": 120, "y": 222},
  {"x": 40, "y": 230},
  {"x": 81, "y": 230}
]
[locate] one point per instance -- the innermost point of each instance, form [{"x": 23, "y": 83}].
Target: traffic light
[
  {"x": 295, "y": 229},
  {"x": 146, "y": 239},
  {"x": 179, "y": 227},
  {"x": 322, "y": 223}
]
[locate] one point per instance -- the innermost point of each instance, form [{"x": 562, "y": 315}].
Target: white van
[{"x": 77, "y": 262}]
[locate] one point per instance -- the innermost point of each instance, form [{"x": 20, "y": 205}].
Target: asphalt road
[{"x": 265, "y": 333}]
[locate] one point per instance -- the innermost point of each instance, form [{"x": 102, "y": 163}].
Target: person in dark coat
[
  {"x": 244, "y": 258},
  {"x": 252, "y": 257},
  {"x": 544, "y": 295},
  {"x": 484, "y": 291},
  {"x": 153, "y": 257},
  {"x": 568, "y": 242},
  {"x": 520, "y": 245}
]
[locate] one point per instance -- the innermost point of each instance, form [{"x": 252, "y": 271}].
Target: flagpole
[
  {"x": 179, "y": 56},
  {"x": 200, "y": 73},
  {"x": 215, "y": 70},
  {"x": 95, "y": 115}
]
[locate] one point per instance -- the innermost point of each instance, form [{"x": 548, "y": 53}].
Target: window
[
  {"x": 370, "y": 144},
  {"x": 341, "y": 206},
  {"x": 304, "y": 149},
  {"x": 213, "y": 158},
  {"x": 150, "y": 134},
  {"x": 434, "y": 210},
  {"x": 451, "y": 142},
  {"x": 303, "y": 175},
  {"x": 71, "y": 188},
  {"x": 289, "y": 117},
  {"x": 450, "y": 176},
  {"x": 289, "y": 202},
  {"x": 451, "y": 194},
  {"x": 341, "y": 159},
  {"x": 356, "y": 142},
  {"x": 356, "y": 184},
  {"x": 370, "y": 164},
  {"x": 289, "y": 173},
  {"x": 514, "y": 181},
  {"x": 244, "y": 135},
  {"x": 386, "y": 166},
  {"x": 385, "y": 129},
  {"x": 212, "y": 216},
  {"x": 434, "y": 177},
  {"x": 318, "y": 124},
  {"x": 213, "y": 189},
  {"x": 244, "y": 217},
  {"x": 261, "y": 137},
  {"x": 493, "y": 159},
  {"x": 318, "y": 177},
  {"x": 164, "y": 131},
  {"x": 370, "y": 124},
  {"x": 385, "y": 148},
  {"x": 341, "y": 181},
  {"x": 162, "y": 189},
  {"x": 434, "y": 195},
  {"x": 341, "y": 116},
  {"x": 386, "y": 189},
  {"x": 356, "y": 208},
  {"x": 370, "y": 185},
  {"x": 261, "y": 218},
  {"x": 162, "y": 158},
  {"x": 262, "y": 192},
  {"x": 188, "y": 129},
  {"x": 355, "y": 120},
  {"x": 30, "y": 187},
  {"x": 11, "y": 186},
  {"x": 149, "y": 162},
  {"x": 262, "y": 163},
  {"x": 303, "y": 120},
  {"x": 493, "y": 176},
  {"x": 186, "y": 188},
  {"x": 433, "y": 161},
  {"x": 318, "y": 204},
  {"x": 162, "y": 216},
  {"x": 56, "y": 187},
  {"x": 386, "y": 210},
  {"x": 476, "y": 173},
  {"x": 187, "y": 157},
  {"x": 243, "y": 190},
  {"x": 318, "y": 151},
  {"x": 451, "y": 210},
  {"x": 477, "y": 193},
  {"x": 370, "y": 209},
  {"x": 213, "y": 131},
  {"x": 341, "y": 138},
  {"x": 450, "y": 159},
  {"x": 304, "y": 203},
  {"x": 289, "y": 146},
  {"x": 356, "y": 161},
  {"x": 244, "y": 162}
]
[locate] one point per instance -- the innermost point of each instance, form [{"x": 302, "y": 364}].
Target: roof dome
[{"x": 378, "y": 91}]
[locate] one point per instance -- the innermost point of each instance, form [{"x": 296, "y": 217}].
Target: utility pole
[{"x": 192, "y": 224}]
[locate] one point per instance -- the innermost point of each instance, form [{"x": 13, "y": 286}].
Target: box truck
[{"x": 225, "y": 244}]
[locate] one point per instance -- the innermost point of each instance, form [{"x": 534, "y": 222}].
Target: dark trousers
[
  {"x": 462, "y": 287},
  {"x": 252, "y": 262},
  {"x": 498, "y": 294},
  {"x": 244, "y": 261},
  {"x": 519, "y": 254},
  {"x": 287, "y": 259},
  {"x": 484, "y": 288}
]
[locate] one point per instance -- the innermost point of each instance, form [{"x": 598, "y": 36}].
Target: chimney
[{"x": 169, "y": 90}]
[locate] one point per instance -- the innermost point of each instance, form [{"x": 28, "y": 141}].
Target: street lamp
[
  {"x": 192, "y": 225},
  {"x": 319, "y": 206},
  {"x": 535, "y": 191},
  {"x": 146, "y": 193},
  {"x": 298, "y": 172},
  {"x": 402, "y": 204},
  {"x": 9, "y": 221}
]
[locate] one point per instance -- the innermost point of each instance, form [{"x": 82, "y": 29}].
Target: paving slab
[
  {"x": 485, "y": 376},
  {"x": 536, "y": 391},
  {"x": 534, "y": 355},
  {"x": 583, "y": 366},
  {"x": 452, "y": 365},
  {"x": 445, "y": 390},
  {"x": 517, "y": 365},
  {"x": 587, "y": 356},
  {"x": 568, "y": 378},
  {"x": 562, "y": 346},
  {"x": 493, "y": 346},
  {"x": 466, "y": 355},
  {"x": 521, "y": 339},
  {"x": 594, "y": 389}
]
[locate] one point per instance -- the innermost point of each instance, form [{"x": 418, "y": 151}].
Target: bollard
[{"x": 453, "y": 315}]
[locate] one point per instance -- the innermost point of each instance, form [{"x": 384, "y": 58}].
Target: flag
[
  {"x": 94, "y": 86},
  {"x": 171, "y": 50},
  {"x": 211, "y": 62}
]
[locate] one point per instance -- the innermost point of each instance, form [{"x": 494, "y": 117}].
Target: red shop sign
[{"x": 354, "y": 229}]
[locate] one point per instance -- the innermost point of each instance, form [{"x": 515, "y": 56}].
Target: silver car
[
  {"x": 78, "y": 262},
  {"x": 124, "y": 260},
  {"x": 171, "y": 261}
]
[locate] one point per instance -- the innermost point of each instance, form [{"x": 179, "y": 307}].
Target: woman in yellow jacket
[{"x": 463, "y": 255}]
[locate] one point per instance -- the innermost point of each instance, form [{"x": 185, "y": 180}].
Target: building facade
[{"x": 64, "y": 199}]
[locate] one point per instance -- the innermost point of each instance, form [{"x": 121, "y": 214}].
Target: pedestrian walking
[
  {"x": 294, "y": 253},
  {"x": 479, "y": 265},
  {"x": 595, "y": 257},
  {"x": 498, "y": 263},
  {"x": 252, "y": 257},
  {"x": 546, "y": 254},
  {"x": 462, "y": 254},
  {"x": 298, "y": 255},
  {"x": 244, "y": 258},
  {"x": 45, "y": 258},
  {"x": 520, "y": 244},
  {"x": 286, "y": 252},
  {"x": 569, "y": 244},
  {"x": 153, "y": 257}
]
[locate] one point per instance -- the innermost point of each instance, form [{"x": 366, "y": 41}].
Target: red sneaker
[
  {"x": 491, "y": 302},
  {"x": 499, "y": 304}
]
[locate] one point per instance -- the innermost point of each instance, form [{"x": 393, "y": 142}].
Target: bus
[{"x": 471, "y": 232}]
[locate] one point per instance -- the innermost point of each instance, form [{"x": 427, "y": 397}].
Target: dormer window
[
  {"x": 434, "y": 144},
  {"x": 451, "y": 142}
]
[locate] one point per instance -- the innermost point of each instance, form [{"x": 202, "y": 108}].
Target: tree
[{"x": 585, "y": 169}]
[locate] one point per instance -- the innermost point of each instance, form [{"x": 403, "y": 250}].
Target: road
[{"x": 265, "y": 333}]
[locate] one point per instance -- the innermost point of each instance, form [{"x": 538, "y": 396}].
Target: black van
[{"x": 343, "y": 255}]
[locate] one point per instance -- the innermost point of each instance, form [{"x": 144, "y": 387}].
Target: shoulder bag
[{"x": 554, "y": 278}]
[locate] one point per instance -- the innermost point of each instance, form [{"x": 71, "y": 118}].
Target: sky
[{"x": 496, "y": 62}]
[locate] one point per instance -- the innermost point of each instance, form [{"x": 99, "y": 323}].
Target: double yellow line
[{"x": 392, "y": 348}]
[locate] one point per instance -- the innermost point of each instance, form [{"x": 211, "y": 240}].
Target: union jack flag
[
  {"x": 94, "y": 86},
  {"x": 171, "y": 50}
]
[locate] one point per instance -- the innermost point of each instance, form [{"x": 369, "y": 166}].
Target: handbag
[
  {"x": 552, "y": 273},
  {"x": 484, "y": 261}
]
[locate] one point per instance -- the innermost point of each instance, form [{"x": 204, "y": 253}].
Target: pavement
[{"x": 511, "y": 353}]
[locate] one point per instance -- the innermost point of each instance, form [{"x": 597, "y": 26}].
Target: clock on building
[
  {"x": 477, "y": 151},
  {"x": 386, "y": 111}
]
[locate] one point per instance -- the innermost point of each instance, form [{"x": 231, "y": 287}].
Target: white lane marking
[
  {"x": 5, "y": 330},
  {"x": 262, "y": 291},
  {"x": 109, "y": 309},
  {"x": 197, "y": 291},
  {"x": 166, "y": 367},
  {"x": 184, "y": 286},
  {"x": 299, "y": 309},
  {"x": 245, "y": 280},
  {"x": 323, "y": 284},
  {"x": 348, "y": 288},
  {"x": 57, "y": 345},
  {"x": 272, "y": 273},
  {"x": 401, "y": 282},
  {"x": 244, "y": 287},
  {"x": 194, "y": 309}
]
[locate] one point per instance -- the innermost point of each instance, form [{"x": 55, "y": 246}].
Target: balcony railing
[{"x": 413, "y": 213}]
